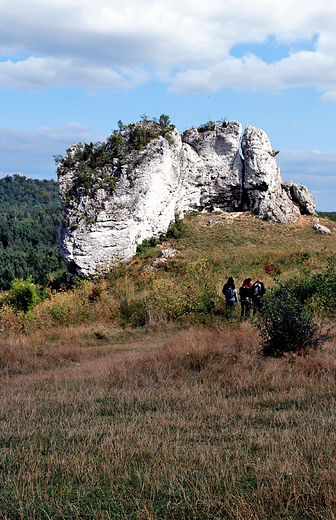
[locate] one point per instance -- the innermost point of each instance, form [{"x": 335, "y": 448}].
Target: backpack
[
  {"x": 229, "y": 293},
  {"x": 257, "y": 289}
]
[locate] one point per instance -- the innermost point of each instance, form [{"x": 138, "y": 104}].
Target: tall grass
[{"x": 198, "y": 426}]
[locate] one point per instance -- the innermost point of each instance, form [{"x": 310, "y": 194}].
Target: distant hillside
[
  {"x": 328, "y": 214},
  {"x": 30, "y": 217}
]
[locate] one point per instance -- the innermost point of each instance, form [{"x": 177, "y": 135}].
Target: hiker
[
  {"x": 258, "y": 291},
  {"x": 231, "y": 297},
  {"x": 246, "y": 297}
]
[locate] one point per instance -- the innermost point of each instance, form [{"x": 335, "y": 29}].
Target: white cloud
[
  {"x": 32, "y": 152},
  {"x": 108, "y": 43},
  {"x": 34, "y": 73},
  {"x": 329, "y": 96}
]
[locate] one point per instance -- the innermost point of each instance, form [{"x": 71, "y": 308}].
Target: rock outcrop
[
  {"x": 211, "y": 169},
  {"x": 264, "y": 194},
  {"x": 128, "y": 189},
  {"x": 301, "y": 196}
]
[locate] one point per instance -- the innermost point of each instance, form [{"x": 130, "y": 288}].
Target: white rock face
[
  {"x": 111, "y": 225},
  {"x": 211, "y": 169},
  {"x": 110, "y": 208},
  {"x": 264, "y": 194}
]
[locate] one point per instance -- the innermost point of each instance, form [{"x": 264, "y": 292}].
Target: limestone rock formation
[
  {"x": 116, "y": 194},
  {"x": 264, "y": 194},
  {"x": 101, "y": 226},
  {"x": 211, "y": 169}
]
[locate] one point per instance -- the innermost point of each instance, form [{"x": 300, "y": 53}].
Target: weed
[
  {"x": 96, "y": 294},
  {"x": 271, "y": 269},
  {"x": 100, "y": 334},
  {"x": 176, "y": 229},
  {"x": 133, "y": 313}
]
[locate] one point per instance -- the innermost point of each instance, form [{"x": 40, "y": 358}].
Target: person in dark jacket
[
  {"x": 231, "y": 297},
  {"x": 246, "y": 297},
  {"x": 258, "y": 291}
]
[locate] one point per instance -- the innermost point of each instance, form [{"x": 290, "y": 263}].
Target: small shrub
[
  {"x": 24, "y": 294},
  {"x": 206, "y": 127},
  {"x": 57, "y": 281},
  {"x": 95, "y": 294},
  {"x": 318, "y": 289},
  {"x": 100, "y": 334},
  {"x": 176, "y": 229},
  {"x": 273, "y": 153},
  {"x": 60, "y": 313},
  {"x": 146, "y": 243},
  {"x": 287, "y": 325},
  {"x": 207, "y": 303}
]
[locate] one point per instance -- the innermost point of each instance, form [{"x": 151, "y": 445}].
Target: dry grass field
[
  {"x": 181, "y": 418},
  {"x": 194, "y": 425}
]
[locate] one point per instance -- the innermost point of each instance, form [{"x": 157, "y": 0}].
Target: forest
[{"x": 30, "y": 217}]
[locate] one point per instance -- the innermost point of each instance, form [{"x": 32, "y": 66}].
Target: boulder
[
  {"x": 101, "y": 227},
  {"x": 166, "y": 254},
  {"x": 321, "y": 229},
  {"x": 301, "y": 196},
  {"x": 211, "y": 168}
]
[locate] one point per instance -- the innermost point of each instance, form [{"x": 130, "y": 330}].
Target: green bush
[
  {"x": 133, "y": 313},
  {"x": 146, "y": 243},
  {"x": 287, "y": 325},
  {"x": 318, "y": 289},
  {"x": 24, "y": 294}
]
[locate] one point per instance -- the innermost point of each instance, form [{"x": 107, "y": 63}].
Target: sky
[{"x": 70, "y": 69}]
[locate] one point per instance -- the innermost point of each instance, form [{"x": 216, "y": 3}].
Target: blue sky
[{"x": 69, "y": 70}]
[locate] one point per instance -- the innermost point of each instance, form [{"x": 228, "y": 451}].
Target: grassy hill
[{"x": 131, "y": 397}]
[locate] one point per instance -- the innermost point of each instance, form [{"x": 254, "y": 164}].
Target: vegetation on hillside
[
  {"x": 210, "y": 125},
  {"x": 30, "y": 218},
  {"x": 328, "y": 214},
  {"x": 187, "y": 288}
]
